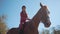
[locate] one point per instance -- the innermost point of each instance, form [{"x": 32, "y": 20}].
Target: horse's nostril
[{"x": 47, "y": 24}]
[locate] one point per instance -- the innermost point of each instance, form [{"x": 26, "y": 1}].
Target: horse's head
[{"x": 45, "y": 16}]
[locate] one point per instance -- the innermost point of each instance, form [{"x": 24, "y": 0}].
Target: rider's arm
[{"x": 27, "y": 17}]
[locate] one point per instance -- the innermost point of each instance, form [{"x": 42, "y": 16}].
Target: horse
[{"x": 31, "y": 27}]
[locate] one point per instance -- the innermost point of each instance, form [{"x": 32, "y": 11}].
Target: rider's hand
[{"x": 28, "y": 19}]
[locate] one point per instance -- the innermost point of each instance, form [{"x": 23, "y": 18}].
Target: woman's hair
[{"x": 23, "y": 6}]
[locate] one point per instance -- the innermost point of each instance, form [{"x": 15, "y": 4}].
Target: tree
[{"x": 2, "y": 25}]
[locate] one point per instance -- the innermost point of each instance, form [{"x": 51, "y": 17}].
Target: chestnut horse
[{"x": 31, "y": 27}]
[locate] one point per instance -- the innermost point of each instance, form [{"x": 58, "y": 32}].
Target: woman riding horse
[
  {"x": 31, "y": 27},
  {"x": 24, "y": 17}
]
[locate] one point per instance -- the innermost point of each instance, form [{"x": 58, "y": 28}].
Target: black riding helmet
[{"x": 23, "y": 6}]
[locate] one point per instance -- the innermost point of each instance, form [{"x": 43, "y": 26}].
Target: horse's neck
[
  {"x": 37, "y": 18},
  {"x": 33, "y": 23}
]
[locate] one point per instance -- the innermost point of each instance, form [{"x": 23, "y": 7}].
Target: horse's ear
[{"x": 41, "y": 5}]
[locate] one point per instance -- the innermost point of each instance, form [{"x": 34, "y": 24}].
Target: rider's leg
[{"x": 22, "y": 30}]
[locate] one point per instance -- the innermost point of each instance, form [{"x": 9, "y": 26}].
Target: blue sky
[{"x": 12, "y": 9}]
